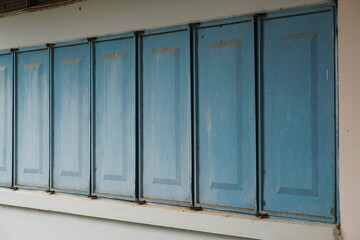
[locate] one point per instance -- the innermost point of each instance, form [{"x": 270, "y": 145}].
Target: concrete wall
[
  {"x": 96, "y": 17},
  {"x": 26, "y": 224},
  {"x": 349, "y": 86}
]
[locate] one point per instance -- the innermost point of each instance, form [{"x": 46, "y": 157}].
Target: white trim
[{"x": 168, "y": 216}]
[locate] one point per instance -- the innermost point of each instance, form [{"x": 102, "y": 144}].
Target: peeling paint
[
  {"x": 32, "y": 65},
  {"x": 115, "y": 55},
  {"x": 224, "y": 44},
  {"x": 71, "y": 60},
  {"x": 165, "y": 50}
]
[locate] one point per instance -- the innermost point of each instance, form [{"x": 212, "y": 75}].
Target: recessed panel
[
  {"x": 115, "y": 117},
  {"x": 299, "y": 117},
  {"x": 72, "y": 118},
  {"x": 166, "y": 117},
  {"x": 6, "y": 94},
  {"x": 226, "y": 116},
  {"x": 33, "y": 119}
]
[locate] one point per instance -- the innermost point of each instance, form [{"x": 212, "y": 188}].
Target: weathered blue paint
[
  {"x": 226, "y": 117},
  {"x": 166, "y": 140},
  {"x": 32, "y": 106},
  {"x": 6, "y": 95},
  {"x": 72, "y": 118},
  {"x": 115, "y": 117},
  {"x": 299, "y": 116}
]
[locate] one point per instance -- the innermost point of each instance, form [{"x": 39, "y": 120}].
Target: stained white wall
[
  {"x": 349, "y": 87},
  {"x": 101, "y": 17},
  {"x": 26, "y": 224}
]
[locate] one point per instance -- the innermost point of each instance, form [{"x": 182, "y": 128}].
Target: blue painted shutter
[
  {"x": 166, "y": 117},
  {"x": 6, "y": 94},
  {"x": 298, "y": 115},
  {"x": 115, "y": 117},
  {"x": 32, "y": 119},
  {"x": 72, "y": 118},
  {"x": 226, "y": 116}
]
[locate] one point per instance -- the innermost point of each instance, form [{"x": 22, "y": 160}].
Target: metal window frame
[
  {"x": 16, "y": 52},
  {"x": 328, "y": 7},
  {"x": 52, "y": 189},
  {"x": 10, "y": 52},
  {"x": 141, "y": 35},
  {"x": 93, "y": 193}
]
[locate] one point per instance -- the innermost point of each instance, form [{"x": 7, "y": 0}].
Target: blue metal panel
[
  {"x": 6, "y": 94},
  {"x": 298, "y": 115},
  {"x": 32, "y": 140},
  {"x": 115, "y": 117},
  {"x": 72, "y": 118},
  {"x": 226, "y": 117},
  {"x": 166, "y": 117}
]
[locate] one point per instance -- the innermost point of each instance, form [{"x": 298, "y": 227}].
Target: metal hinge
[
  {"x": 195, "y": 24},
  {"x": 261, "y": 215},
  {"x": 50, "y": 191},
  {"x": 93, "y": 196},
  {"x": 259, "y": 15},
  {"x": 91, "y": 39},
  {"x": 140, "y": 202},
  {"x": 196, "y": 208}
]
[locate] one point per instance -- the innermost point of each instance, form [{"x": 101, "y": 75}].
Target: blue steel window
[
  {"x": 6, "y": 124},
  {"x": 71, "y": 118},
  {"x": 235, "y": 115},
  {"x": 166, "y": 117},
  {"x": 226, "y": 116},
  {"x": 32, "y": 125},
  {"x": 115, "y": 118}
]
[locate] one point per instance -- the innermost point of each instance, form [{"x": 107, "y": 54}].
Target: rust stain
[
  {"x": 32, "y": 65},
  {"x": 297, "y": 36},
  {"x": 165, "y": 50},
  {"x": 299, "y": 214},
  {"x": 71, "y": 60},
  {"x": 115, "y": 55},
  {"x": 224, "y": 44}
]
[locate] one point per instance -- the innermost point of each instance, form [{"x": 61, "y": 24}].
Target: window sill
[{"x": 172, "y": 217}]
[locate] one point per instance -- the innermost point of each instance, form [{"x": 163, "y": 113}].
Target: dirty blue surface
[
  {"x": 115, "y": 117},
  {"x": 298, "y": 115},
  {"x": 226, "y": 116},
  {"x": 32, "y": 140},
  {"x": 72, "y": 118},
  {"x": 166, "y": 117},
  {"x": 291, "y": 109},
  {"x": 6, "y": 95}
]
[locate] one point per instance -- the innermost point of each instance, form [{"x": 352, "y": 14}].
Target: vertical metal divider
[
  {"x": 336, "y": 117},
  {"x": 14, "y": 118},
  {"x": 138, "y": 117},
  {"x": 92, "y": 119},
  {"x": 193, "y": 89},
  {"x": 51, "y": 118},
  {"x": 259, "y": 110}
]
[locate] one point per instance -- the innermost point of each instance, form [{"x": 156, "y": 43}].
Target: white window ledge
[{"x": 173, "y": 217}]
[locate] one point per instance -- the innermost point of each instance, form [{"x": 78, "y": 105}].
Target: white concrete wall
[
  {"x": 96, "y": 17},
  {"x": 101, "y": 17},
  {"x": 26, "y": 224},
  {"x": 349, "y": 87}
]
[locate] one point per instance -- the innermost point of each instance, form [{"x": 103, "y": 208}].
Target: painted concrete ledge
[{"x": 171, "y": 217}]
